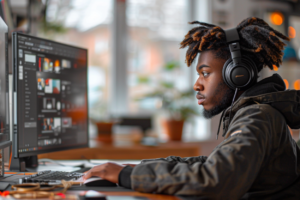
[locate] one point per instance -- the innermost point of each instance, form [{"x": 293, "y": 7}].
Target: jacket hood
[{"x": 271, "y": 91}]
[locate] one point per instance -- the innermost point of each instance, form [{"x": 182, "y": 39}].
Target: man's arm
[
  {"x": 176, "y": 159},
  {"x": 189, "y": 160},
  {"x": 124, "y": 176},
  {"x": 228, "y": 172}
]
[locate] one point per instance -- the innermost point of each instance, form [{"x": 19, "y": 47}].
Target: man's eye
[{"x": 205, "y": 74}]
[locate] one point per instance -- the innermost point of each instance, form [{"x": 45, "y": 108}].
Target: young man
[{"x": 258, "y": 158}]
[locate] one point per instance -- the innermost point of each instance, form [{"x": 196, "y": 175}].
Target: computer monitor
[
  {"x": 50, "y": 106},
  {"x": 4, "y": 95}
]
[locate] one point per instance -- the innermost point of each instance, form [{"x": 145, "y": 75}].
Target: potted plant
[{"x": 178, "y": 105}]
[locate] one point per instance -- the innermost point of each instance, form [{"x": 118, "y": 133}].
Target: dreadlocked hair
[{"x": 258, "y": 41}]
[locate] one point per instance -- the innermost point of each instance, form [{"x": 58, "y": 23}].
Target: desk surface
[
  {"x": 108, "y": 191},
  {"x": 98, "y": 150}
]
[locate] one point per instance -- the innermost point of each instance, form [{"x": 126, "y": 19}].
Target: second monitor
[{"x": 50, "y": 107}]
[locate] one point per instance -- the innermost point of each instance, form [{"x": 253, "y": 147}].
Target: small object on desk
[
  {"x": 97, "y": 181},
  {"x": 92, "y": 194},
  {"x": 3, "y": 185},
  {"x": 44, "y": 190},
  {"x": 149, "y": 141}
]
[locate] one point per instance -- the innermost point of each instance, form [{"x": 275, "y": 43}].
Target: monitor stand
[{"x": 25, "y": 164}]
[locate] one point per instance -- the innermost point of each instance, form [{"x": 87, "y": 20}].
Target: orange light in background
[
  {"x": 286, "y": 83},
  {"x": 275, "y": 68},
  {"x": 292, "y": 32},
  {"x": 297, "y": 84},
  {"x": 276, "y": 18}
]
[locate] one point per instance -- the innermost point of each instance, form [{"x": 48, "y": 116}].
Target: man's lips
[
  {"x": 200, "y": 101},
  {"x": 200, "y": 98}
]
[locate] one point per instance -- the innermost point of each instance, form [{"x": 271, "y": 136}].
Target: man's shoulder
[
  {"x": 259, "y": 115},
  {"x": 259, "y": 109},
  {"x": 252, "y": 119}
]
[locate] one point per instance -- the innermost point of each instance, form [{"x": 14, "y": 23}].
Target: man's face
[{"x": 213, "y": 94}]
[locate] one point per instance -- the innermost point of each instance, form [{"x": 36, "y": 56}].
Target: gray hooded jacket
[{"x": 257, "y": 160}]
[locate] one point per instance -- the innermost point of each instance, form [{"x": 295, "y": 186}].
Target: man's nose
[{"x": 198, "y": 86}]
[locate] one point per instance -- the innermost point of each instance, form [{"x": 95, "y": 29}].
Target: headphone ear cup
[
  {"x": 229, "y": 67},
  {"x": 226, "y": 77}
]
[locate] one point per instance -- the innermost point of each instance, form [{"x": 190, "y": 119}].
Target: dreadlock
[{"x": 258, "y": 41}]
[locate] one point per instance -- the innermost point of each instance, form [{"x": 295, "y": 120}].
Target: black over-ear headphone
[{"x": 239, "y": 72}]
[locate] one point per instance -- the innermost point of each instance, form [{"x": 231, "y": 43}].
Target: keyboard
[
  {"x": 55, "y": 177},
  {"x": 49, "y": 176}
]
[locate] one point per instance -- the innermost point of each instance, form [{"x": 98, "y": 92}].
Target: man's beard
[{"x": 224, "y": 103}]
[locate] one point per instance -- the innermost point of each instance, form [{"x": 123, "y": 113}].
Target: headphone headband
[
  {"x": 232, "y": 35},
  {"x": 232, "y": 38}
]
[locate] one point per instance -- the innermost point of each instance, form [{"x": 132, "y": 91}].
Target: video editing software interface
[{"x": 50, "y": 91}]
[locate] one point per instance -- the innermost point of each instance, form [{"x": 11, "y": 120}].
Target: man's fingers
[
  {"x": 87, "y": 175},
  {"x": 91, "y": 172},
  {"x": 108, "y": 171}
]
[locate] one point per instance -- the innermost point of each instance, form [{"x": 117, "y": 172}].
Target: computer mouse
[
  {"x": 97, "y": 181},
  {"x": 94, "y": 195}
]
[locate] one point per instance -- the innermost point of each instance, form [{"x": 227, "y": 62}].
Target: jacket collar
[{"x": 261, "y": 92}]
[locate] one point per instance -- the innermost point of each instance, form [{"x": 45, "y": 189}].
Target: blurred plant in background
[
  {"x": 52, "y": 27},
  {"x": 52, "y": 24},
  {"x": 177, "y": 104}
]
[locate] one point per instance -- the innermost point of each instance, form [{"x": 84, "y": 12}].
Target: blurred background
[{"x": 138, "y": 82}]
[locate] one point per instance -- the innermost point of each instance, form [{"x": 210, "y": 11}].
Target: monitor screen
[{"x": 50, "y": 96}]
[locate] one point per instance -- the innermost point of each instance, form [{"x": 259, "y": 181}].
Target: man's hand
[{"x": 109, "y": 171}]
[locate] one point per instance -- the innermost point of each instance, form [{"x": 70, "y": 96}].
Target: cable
[
  {"x": 229, "y": 113},
  {"x": 236, "y": 89},
  {"x": 220, "y": 123}
]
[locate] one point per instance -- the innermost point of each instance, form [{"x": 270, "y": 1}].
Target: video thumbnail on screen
[{"x": 50, "y": 86}]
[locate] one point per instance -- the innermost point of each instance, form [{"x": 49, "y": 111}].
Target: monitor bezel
[
  {"x": 17, "y": 154},
  {"x": 4, "y": 84}
]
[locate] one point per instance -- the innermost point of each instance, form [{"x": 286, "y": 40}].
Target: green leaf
[
  {"x": 143, "y": 79},
  {"x": 167, "y": 85},
  {"x": 170, "y": 66},
  {"x": 188, "y": 93}
]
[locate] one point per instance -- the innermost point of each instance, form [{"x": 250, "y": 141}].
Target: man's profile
[{"x": 258, "y": 158}]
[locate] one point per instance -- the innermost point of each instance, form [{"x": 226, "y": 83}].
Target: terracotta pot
[
  {"x": 173, "y": 129},
  {"x": 105, "y": 134}
]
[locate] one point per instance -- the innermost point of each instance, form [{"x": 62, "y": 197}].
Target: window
[
  {"x": 78, "y": 17},
  {"x": 156, "y": 29}
]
